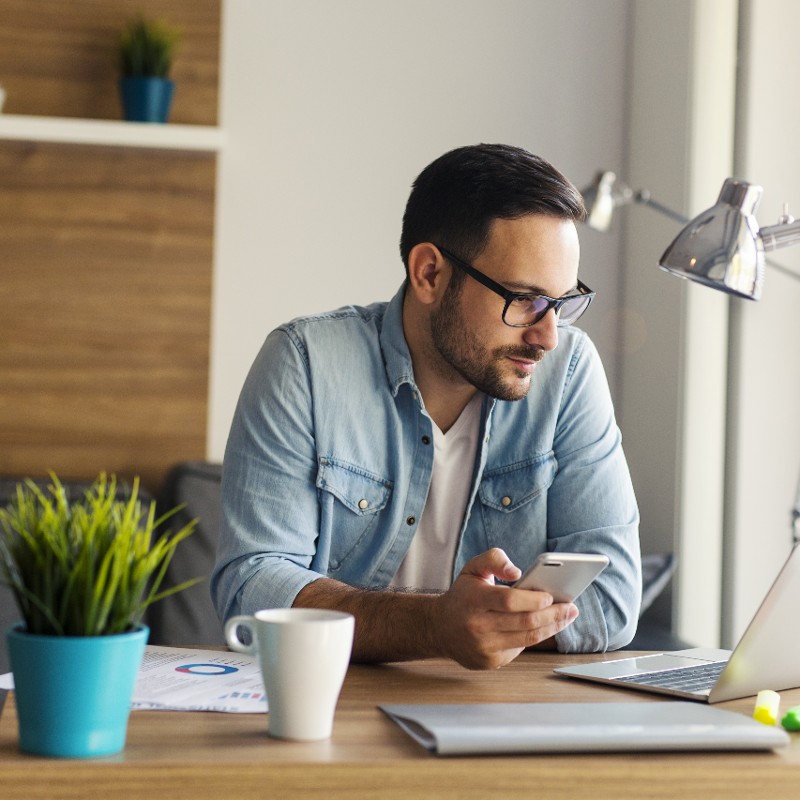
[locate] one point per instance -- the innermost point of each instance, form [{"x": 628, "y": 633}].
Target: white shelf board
[{"x": 113, "y": 133}]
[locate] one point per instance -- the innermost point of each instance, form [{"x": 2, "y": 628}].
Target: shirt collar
[{"x": 396, "y": 355}]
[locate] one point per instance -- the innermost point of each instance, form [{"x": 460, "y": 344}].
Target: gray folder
[{"x": 495, "y": 728}]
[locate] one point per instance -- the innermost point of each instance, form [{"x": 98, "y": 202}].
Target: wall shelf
[{"x": 112, "y": 133}]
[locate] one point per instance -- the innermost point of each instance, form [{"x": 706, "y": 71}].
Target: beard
[{"x": 462, "y": 351}]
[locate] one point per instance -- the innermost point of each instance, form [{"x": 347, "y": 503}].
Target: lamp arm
[
  {"x": 643, "y": 196},
  {"x": 784, "y": 234},
  {"x": 796, "y": 516},
  {"x": 774, "y": 237}
]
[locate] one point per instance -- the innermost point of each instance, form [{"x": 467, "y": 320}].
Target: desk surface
[{"x": 196, "y": 755}]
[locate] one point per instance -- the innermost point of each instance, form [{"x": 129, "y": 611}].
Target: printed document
[{"x": 181, "y": 679}]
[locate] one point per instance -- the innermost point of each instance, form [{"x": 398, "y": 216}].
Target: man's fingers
[
  {"x": 528, "y": 629},
  {"x": 562, "y": 614},
  {"x": 504, "y": 599},
  {"x": 492, "y": 564},
  {"x": 483, "y": 625}
]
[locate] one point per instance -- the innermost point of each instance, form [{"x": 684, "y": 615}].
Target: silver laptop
[{"x": 767, "y": 656}]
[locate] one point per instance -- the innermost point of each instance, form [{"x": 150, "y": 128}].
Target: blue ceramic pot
[
  {"x": 146, "y": 99},
  {"x": 73, "y": 693}
]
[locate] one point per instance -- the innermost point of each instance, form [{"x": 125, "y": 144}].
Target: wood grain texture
[
  {"x": 197, "y": 755},
  {"x": 106, "y": 285},
  {"x": 60, "y": 59},
  {"x": 105, "y": 277}
]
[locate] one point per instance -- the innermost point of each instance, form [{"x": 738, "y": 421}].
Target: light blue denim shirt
[{"x": 329, "y": 461}]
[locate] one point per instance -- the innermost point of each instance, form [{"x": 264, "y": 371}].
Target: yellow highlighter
[{"x": 767, "y": 707}]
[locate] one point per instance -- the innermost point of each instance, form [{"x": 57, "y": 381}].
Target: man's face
[{"x": 536, "y": 254}]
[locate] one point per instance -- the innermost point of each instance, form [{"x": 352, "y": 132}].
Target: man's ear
[{"x": 428, "y": 272}]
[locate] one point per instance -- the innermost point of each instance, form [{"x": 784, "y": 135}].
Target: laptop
[{"x": 766, "y": 657}]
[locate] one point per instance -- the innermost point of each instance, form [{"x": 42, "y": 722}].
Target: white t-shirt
[{"x": 428, "y": 565}]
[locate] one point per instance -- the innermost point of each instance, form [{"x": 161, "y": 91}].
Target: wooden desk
[{"x": 188, "y": 755}]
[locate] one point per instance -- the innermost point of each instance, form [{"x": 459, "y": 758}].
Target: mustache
[{"x": 514, "y": 351}]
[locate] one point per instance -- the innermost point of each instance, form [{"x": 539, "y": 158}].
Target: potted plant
[
  {"x": 83, "y": 573},
  {"x": 146, "y": 50}
]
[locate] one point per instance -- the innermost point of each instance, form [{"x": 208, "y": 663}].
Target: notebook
[
  {"x": 766, "y": 657},
  {"x": 494, "y": 728}
]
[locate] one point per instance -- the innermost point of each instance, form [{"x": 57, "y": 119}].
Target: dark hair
[{"x": 455, "y": 199}]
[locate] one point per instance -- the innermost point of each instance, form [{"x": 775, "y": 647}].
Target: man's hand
[
  {"x": 484, "y": 626},
  {"x": 475, "y": 622}
]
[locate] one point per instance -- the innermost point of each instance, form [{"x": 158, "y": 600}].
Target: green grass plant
[
  {"x": 89, "y": 567},
  {"x": 147, "y": 48}
]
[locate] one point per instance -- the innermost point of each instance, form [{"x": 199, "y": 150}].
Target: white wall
[
  {"x": 673, "y": 375},
  {"x": 331, "y": 109}
]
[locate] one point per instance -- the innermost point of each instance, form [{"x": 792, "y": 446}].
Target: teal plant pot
[
  {"x": 73, "y": 693},
  {"x": 146, "y": 99}
]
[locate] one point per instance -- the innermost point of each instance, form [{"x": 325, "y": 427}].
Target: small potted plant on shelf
[
  {"x": 83, "y": 573},
  {"x": 146, "y": 50}
]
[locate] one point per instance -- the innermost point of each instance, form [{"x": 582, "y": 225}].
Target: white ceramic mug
[{"x": 304, "y": 654}]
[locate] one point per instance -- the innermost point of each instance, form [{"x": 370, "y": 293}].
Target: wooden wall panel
[
  {"x": 58, "y": 58},
  {"x": 106, "y": 284},
  {"x": 105, "y": 252},
  {"x": 104, "y": 329}
]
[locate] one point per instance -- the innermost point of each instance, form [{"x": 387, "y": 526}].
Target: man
[{"x": 403, "y": 461}]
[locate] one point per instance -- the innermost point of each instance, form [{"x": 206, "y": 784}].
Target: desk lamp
[
  {"x": 730, "y": 224},
  {"x": 723, "y": 247}
]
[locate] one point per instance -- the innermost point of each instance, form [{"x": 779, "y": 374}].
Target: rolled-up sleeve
[
  {"x": 592, "y": 508},
  {"x": 270, "y": 515}
]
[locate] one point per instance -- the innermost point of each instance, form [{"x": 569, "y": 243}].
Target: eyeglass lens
[{"x": 524, "y": 311}]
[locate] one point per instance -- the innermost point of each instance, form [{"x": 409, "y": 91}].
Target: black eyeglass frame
[{"x": 552, "y": 302}]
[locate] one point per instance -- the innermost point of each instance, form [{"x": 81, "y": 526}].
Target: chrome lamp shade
[{"x": 721, "y": 247}]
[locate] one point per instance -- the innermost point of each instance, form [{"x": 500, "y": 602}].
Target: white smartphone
[{"x": 563, "y": 575}]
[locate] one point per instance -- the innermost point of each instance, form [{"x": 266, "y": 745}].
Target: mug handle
[{"x": 232, "y": 634}]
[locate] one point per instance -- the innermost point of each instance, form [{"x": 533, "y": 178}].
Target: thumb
[{"x": 492, "y": 564}]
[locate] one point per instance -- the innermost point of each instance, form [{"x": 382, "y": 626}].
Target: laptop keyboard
[{"x": 699, "y": 678}]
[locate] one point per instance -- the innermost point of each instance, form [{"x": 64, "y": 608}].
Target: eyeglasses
[{"x": 523, "y": 309}]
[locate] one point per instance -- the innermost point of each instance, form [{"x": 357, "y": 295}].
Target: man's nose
[{"x": 544, "y": 333}]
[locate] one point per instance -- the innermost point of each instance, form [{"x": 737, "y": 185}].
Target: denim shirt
[{"x": 329, "y": 460}]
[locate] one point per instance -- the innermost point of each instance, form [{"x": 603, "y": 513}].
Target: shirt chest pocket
[
  {"x": 513, "y": 503},
  {"x": 351, "y": 500}
]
